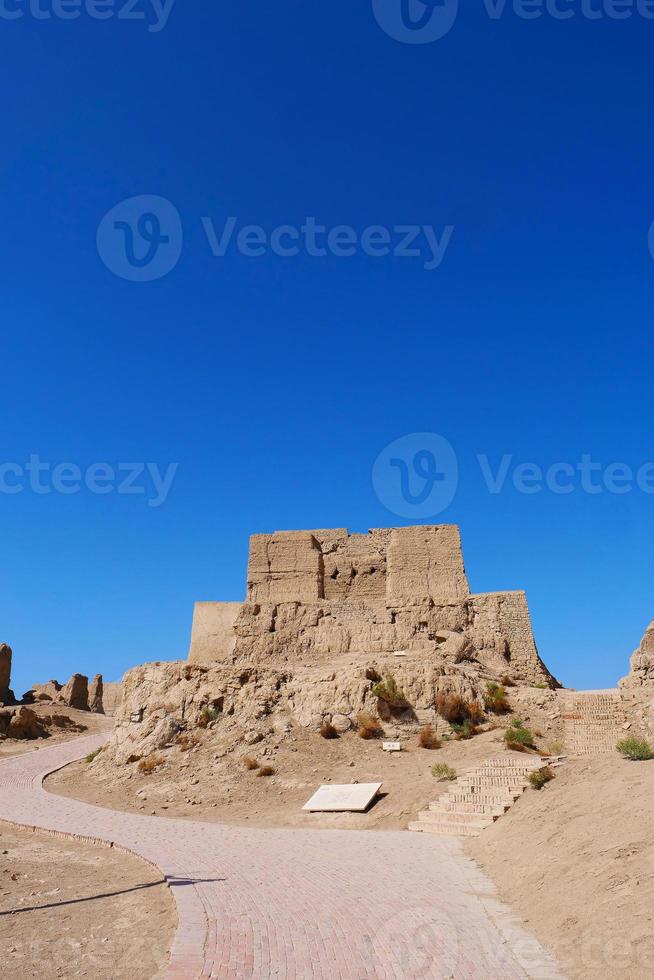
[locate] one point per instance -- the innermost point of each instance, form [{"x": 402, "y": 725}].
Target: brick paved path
[{"x": 297, "y": 904}]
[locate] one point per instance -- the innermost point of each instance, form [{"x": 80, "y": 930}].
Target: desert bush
[
  {"x": 495, "y": 699},
  {"x": 369, "y": 727},
  {"x": 388, "y": 691},
  {"x": 539, "y": 777},
  {"x": 556, "y": 747},
  {"x": 636, "y": 749},
  {"x": 475, "y": 712},
  {"x": 265, "y": 771},
  {"x": 507, "y": 681},
  {"x": 428, "y": 739},
  {"x": 92, "y": 755},
  {"x": 249, "y": 762},
  {"x": 452, "y": 708},
  {"x": 327, "y": 730},
  {"x": 466, "y": 730},
  {"x": 518, "y": 737},
  {"x": 443, "y": 772},
  {"x": 150, "y": 763},
  {"x": 207, "y": 715},
  {"x": 542, "y": 685},
  {"x": 188, "y": 740}
]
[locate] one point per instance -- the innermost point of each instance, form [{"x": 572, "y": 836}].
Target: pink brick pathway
[{"x": 297, "y": 904}]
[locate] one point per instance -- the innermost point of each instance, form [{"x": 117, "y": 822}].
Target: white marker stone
[
  {"x": 352, "y": 796},
  {"x": 391, "y": 747}
]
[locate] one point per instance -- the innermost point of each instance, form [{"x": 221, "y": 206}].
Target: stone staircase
[
  {"x": 593, "y": 721},
  {"x": 478, "y": 798}
]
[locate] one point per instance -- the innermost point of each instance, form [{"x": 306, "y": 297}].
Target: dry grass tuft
[
  {"x": 250, "y": 762},
  {"x": 265, "y": 771},
  {"x": 369, "y": 727},
  {"x": 327, "y": 730},
  {"x": 150, "y": 763},
  {"x": 188, "y": 740},
  {"x": 428, "y": 739}
]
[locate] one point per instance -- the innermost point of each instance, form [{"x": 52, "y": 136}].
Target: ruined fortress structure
[{"x": 315, "y": 595}]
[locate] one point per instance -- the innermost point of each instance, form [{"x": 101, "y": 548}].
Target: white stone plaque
[
  {"x": 352, "y": 796},
  {"x": 391, "y": 747}
]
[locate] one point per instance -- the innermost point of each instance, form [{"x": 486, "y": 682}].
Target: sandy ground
[
  {"x": 69, "y": 909},
  {"x": 576, "y": 860},
  {"x": 202, "y": 784},
  {"x": 84, "y": 722}
]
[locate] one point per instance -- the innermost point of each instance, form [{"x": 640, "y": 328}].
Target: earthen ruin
[{"x": 314, "y": 595}]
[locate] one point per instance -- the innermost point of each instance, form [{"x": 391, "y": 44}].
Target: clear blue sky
[{"x": 275, "y": 382}]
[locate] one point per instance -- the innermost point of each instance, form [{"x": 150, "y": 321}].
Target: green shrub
[
  {"x": 443, "y": 772},
  {"x": 539, "y": 777},
  {"x": 542, "y": 685},
  {"x": 388, "y": 691},
  {"x": 208, "y": 715},
  {"x": 92, "y": 755},
  {"x": 636, "y": 749},
  {"x": 467, "y": 730},
  {"x": 518, "y": 737},
  {"x": 495, "y": 699}
]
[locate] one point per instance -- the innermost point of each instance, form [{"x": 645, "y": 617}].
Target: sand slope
[{"x": 576, "y": 860}]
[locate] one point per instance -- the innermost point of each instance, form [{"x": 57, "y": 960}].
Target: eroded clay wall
[{"x": 212, "y": 635}]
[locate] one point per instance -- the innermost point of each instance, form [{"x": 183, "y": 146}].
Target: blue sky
[{"x": 275, "y": 382}]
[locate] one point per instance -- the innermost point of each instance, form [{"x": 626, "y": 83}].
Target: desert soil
[
  {"x": 82, "y": 722},
  {"x": 204, "y": 784},
  {"x": 69, "y": 909},
  {"x": 576, "y": 860}
]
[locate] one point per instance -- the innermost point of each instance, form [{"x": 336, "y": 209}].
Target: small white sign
[
  {"x": 391, "y": 747},
  {"x": 400, "y": 653},
  {"x": 351, "y": 796}
]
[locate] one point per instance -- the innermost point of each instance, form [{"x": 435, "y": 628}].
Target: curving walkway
[{"x": 297, "y": 904}]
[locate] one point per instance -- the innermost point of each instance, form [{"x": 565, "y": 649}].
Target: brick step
[
  {"x": 447, "y": 829},
  {"x": 511, "y": 783},
  {"x": 443, "y": 816},
  {"x": 461, "y": 806},
  {"x": 481, "y": 799}
]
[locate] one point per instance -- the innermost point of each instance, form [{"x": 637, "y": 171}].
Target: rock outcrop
[
  {"x": 642, "y": 662},
  {"x": 6, "y": 694},
  {"x": 21, "y": 722},
  {"x": 74, "y": 694},
  {"x": 95, "y": 691}
]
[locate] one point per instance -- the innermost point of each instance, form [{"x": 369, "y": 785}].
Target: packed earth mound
[{"x": 192, "y": 740}]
